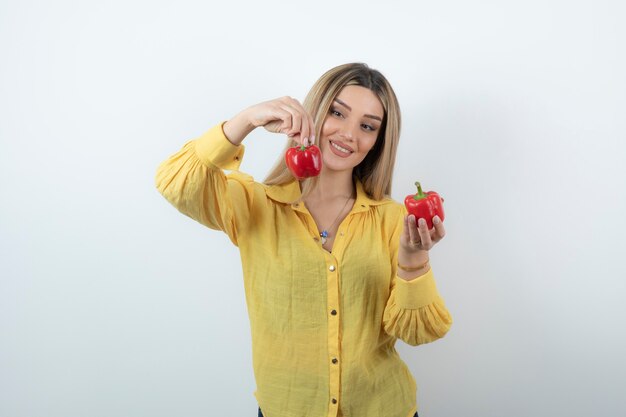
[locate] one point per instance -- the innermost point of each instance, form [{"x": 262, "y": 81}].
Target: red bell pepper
[
  {"x": 304, "y": 162},
  {"x": 424, "y": 205}
]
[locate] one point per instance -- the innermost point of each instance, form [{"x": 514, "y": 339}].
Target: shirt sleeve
[
  {"x": 193, "y": 181},
  {"x": 415, "y": 312}
]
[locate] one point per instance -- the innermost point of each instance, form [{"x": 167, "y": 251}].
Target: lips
[{"x": 341, "y": 144}]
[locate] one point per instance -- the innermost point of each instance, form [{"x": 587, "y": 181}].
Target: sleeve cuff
[
  {"x": 213, "y": 148},
  {"x": 416, "y": 293}
]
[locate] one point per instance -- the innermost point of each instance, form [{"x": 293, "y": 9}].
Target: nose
[{"x": 348, "y": 132}]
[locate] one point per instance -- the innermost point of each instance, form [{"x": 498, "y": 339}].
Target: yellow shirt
[{"x": 324, "y": 325}]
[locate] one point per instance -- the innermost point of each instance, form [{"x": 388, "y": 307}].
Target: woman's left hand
[{"x": 416, "y": 237}]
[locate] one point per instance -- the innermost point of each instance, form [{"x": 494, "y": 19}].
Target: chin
[{"x": 334, "y": 165}]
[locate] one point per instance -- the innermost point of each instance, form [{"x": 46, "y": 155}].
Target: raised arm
[{"x": 193, "y": 179}]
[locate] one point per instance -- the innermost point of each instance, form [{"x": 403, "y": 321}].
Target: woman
[{"x": 334, "y": 270}]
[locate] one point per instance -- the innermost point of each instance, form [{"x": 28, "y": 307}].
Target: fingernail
[
  {"x": 305, "y": 141},
  {"x": 312, "y": 139},
  {"x": 436, "y": 220},
  {"x": 422, "y": 222}
]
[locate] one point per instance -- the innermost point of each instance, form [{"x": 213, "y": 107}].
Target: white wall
[{"x": 113, "y": 304}]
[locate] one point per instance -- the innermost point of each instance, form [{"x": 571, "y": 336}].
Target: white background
[{"x": 114, "y": 304}]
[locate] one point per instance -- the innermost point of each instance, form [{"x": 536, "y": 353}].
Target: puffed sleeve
[
  {"x": 415, "y": 312},
  {"x": 193, "y": 181}
]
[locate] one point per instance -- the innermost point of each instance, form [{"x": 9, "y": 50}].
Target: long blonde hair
[{"x": 375, "y": 171}]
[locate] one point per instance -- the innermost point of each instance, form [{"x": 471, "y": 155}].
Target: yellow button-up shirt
[{"x": 324, "y": 325}]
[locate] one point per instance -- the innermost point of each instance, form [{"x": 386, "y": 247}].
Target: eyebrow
[{"x": 371, "y": 116}]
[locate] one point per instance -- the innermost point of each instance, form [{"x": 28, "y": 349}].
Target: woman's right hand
[{"x": 282, "y": 115}]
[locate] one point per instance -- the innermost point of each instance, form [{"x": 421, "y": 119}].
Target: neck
[{"x": 333, "y": 184}]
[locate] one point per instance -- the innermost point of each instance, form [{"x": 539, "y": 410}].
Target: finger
[
  {"x": 304, "y": 119},
  {"x": 284, "y": 106},
  {"x": 405, "y": 231},
  {"x": 299, "y": 120},
  {"x": 300, "y": 130},
  {"x": 439, "y": 230},
  {"x": 279, "y": 113},
  {"x": 310, "y": 125},
  {"x": 295, "y": 117},
  {"x": 414, "y": 237},
  {"x": 424, "y": 234},
  {"x": 313, "y": 131},
  {"x": 305, "y": 130},
  {"x": 307, "y": 122},
  {"x": 307, "y": 125}
]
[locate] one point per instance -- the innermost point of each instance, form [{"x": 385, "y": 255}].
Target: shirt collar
[{"x": 290, "y": 192}]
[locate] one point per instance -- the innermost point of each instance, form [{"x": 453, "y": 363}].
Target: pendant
[{"x": 324, "y": 235}]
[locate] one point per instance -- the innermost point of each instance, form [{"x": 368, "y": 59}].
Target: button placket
[{"x": 332, "y": 274}]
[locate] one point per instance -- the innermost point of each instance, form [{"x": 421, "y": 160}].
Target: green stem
[{"x": 420, "y": 194}]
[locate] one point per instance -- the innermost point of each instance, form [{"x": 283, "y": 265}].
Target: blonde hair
[{"x": 375, "y": 171}]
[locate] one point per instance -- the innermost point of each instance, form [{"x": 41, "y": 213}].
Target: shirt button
[
  {"x": 335, "y": 360},
  {"x": 334, "y": 312},
  {"x": 332, "y": 268},
  {"x": 334, "y": 400}
]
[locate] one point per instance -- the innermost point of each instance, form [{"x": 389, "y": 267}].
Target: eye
[
  {"x": 368, "y": 127},
  {"x": 335, "y": 112}
]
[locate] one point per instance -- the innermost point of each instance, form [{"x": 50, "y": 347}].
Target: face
[{"x": 350, "y": 128}]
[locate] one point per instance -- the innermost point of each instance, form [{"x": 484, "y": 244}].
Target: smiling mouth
[{"x": 339, "y": 148}]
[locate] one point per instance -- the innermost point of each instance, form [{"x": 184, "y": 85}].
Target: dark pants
[{"x": 261, "y": 414}]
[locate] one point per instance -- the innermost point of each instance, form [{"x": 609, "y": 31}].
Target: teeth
[{"x": 339, "y": 148}]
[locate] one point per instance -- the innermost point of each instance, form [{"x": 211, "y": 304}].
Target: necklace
[{"x": 324, "y": 233}]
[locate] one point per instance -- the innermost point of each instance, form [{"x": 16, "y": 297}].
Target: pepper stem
[
  {"x": 302, "y": 148},
  {"x": 420, "y": 194}
]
